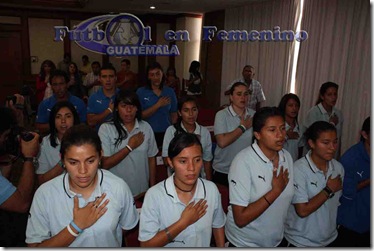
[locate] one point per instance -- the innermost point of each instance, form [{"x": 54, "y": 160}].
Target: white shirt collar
[
  {"x": 313, "y": 166},
  {"x": 97, "y": 191},
  {"x": 197, "y": 128},
  {"x": 263, "y": 157}
]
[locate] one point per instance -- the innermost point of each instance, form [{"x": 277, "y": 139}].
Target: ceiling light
[{"x": 152, "y": 7}]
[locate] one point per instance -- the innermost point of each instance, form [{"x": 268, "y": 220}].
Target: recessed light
[{"x": 152, "y": 7}]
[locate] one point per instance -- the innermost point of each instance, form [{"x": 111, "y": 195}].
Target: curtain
[
  {"x": 338, "y": 49},
  {"x": 272, "y": 60}
]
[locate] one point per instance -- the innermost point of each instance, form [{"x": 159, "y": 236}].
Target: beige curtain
[
  {"x": 338, "y": 50},
  {"x": 272, "y": 60}
]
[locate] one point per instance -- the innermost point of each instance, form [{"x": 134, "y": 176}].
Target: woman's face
[
  {"x": 155, "y": 76},
  {"x": 325, "y": 146},
  {"x": 187, "y": 165},
  {"x": 239, "y": 97},
  {"x": 81, "y": 163},
  {"x": 64, "y": 120},
  {"x": 189, "y": 113},
  {"x": 330, "y": 96},
  {"x": 126, "y": 112},
  {"x": 47, "y": 68},
  {"x": 272, "y": 135},
  {"x": 292, "y": 108},
  {"x": 72, "y": 68}
]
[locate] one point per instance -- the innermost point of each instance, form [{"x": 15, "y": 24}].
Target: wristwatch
[
  {"x": 329, "y": 192},
  {"x": 34, "y": 161}
]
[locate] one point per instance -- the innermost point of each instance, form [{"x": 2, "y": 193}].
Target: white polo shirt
[
  {"x": 292, "y": 145},
  {"x": 162, "y": 208},
  {"x": 52, "y": 210},
  {"x": 250, "y": 178},
  {"x": 134, "y": 168},
  {"x": 227, "y": 121},
  {"x": 319, "y": 228},
  {"x": 49, "y": 156}
]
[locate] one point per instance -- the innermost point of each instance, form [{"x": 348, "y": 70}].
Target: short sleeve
[
  {"x": 207, "y": 147},
  {"x": 220, "y": 125},
  {"x": 149, "y": 218},
  {"x": 169, "y": 135},
  {"x": 6, "y": 189},
  {"x": 106, "y": 141},
  {"x": 129, "y": 216}
]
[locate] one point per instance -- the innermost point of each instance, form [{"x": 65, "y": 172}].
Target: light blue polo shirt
[
  {"x": 52, "y": 210},
  {"x": 292, "y": 145},
  {"x": 226, "y": 121},
  {"x": 98, "y": 102},
  {"x": 44, "y": 108},
  {"x": 160, "y": 120},
  {"x": 319, "y": 228},
  {"x": 134, "y": 168},
  {"x": 162, "y": 208},
  {"x": 250, "y": 178},
  {"x": 6, "y": 189},
  {"x": 201, "y": 131},
  {"x": 49, "y": 156}
]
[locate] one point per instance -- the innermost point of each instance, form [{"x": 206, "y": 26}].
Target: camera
[{"x": 12, "y": 144}]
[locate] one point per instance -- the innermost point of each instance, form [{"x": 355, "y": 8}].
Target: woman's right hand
[
  {"x": 86, "y": 216},
  {"x": 335, "y": 184},
  {"x": 247, "y": 122},
  {"x": 163, "y": 101},
  {"x": 136, "y": 140},
  {"x": 193, "y": 212},
  {"x": 280, "y": 182}
]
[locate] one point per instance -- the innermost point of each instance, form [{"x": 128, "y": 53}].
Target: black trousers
[{"x": 350, "y": 238}]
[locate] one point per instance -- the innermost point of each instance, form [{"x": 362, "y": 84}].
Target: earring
[{"x": 99, "y": 164}]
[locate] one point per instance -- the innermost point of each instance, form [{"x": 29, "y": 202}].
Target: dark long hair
[
  {"x": 79, "y": 135},
  {"x": 260, "y": 117},
  {"x": 127, "y": 97},
  {"x": 42, "y": 73},
  {"x": 315, "y": 129},
  {"x": 52, "y": 125},
  {"x": 283, "y": 103},
  {"x": 181, "y": 102},
  {"x": 194, "y": 68},
  {"x": 152, "y": 66},
  {"x": 182, "y": 141}
]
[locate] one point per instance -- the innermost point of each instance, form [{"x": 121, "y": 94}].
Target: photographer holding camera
[{"x": 17, "y": 199}]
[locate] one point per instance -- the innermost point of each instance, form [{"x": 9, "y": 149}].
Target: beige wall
[
  {"x": 77, "y": 52},
  {"x": 42, "y": 45},
  {"x": 161, "y": 29}
]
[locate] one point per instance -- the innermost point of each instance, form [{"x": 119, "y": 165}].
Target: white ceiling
[{"x": 135, "y": 6}]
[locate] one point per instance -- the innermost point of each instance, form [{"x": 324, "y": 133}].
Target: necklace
[{"x": 185, "y": 191}]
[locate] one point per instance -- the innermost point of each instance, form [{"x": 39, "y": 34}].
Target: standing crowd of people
[{"x": 287, "y": 184}]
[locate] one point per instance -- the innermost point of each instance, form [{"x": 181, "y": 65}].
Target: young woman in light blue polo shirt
[
  {"x": 311, "y": 221},
  {"x": 260, "y": 185},
  {"x": 63, "y": 116},
  {"x": 129, "y": 144},
  {"x": 233, "y": 131},
  {"x": 188, "y": 111},
  {"x": 183, "y": 210},
  {"x": 85, "y": 207}
]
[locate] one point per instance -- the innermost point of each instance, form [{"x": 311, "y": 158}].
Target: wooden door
[{"x": 10, "y": 63}]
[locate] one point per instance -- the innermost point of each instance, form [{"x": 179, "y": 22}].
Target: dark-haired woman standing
[
  {"x": 85, "y": 207},
  {"x": 325, "y": 110},
  {"x": 188, "y": 111},
  {"x": 311, "y": 221},
  {"x": 260, "y": 185},
  {"x": 158, "y": 102},
  {"x": 183, "y": 210},
  {"x": 129, "y": 144},
  {"x": 63, "y": 116}
]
